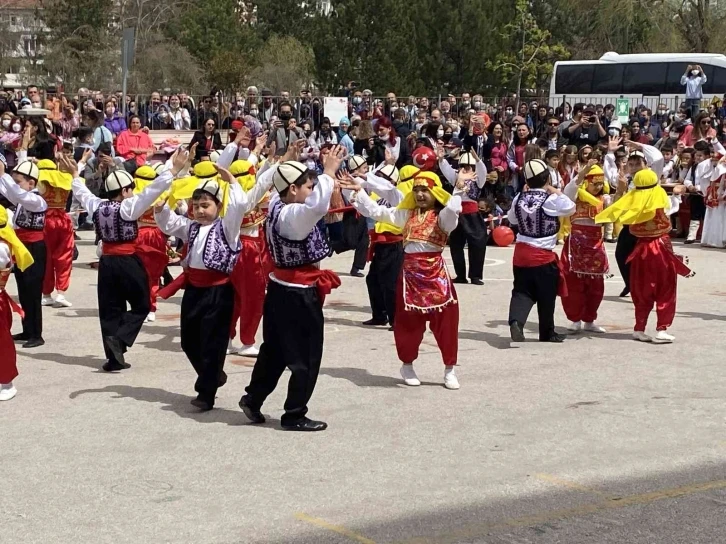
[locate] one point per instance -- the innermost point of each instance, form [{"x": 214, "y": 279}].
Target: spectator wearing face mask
[
  {"x": 11, "y": 137},
  {"x": 325, "y": 134},
  {"x": 694, "y": 79},
  {"x": 112, "y": 120},
  {"x": 282, "y": 133},
  {"x": 343, "y": 136},
  {"x": 267, "y": 109},
  {"x": 179, "y": 116}
]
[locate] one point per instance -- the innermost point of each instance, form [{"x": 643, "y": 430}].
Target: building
[{"x": 21, "y": 37}]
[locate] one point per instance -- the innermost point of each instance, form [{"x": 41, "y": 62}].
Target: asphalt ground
[{"x": 598, "y": 440}]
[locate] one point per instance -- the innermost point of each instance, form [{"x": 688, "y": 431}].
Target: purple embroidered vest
[
  {"x": 533, "y": 221},
  {"x": 217, "y": 254},
  {"x": 293, "y": 253},
  {"x": 473, "y": 191},
  {"x": 29, "y": 220},
  {"x": 110, "y": 227}
]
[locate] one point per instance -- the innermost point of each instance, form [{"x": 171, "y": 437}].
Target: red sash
[
  {"x": 14, "y": 306},
  {"x": 118, "y": 248},
  {"x": 196, "y": 277},
  {"x": 527, "y": 256},
  {"x": 469, "y": 207},
  {"x": 324, "y": 280},
  {"x": 28, "y": 236},
  {"x": 380, "y": 238}
]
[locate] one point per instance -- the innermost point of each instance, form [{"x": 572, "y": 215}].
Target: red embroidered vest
[
  {"x": 656, "y": 227},
  {"x": 424, "y": 227},
  {"x": 584, "y": 210},
  {"x": 147, "y": 220}
]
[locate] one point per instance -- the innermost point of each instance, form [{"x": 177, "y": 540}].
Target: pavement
[{"x": 598, "y": 440}]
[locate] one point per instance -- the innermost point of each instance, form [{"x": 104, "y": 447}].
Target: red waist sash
[
  {"x": 118, "y": 248},
  {"x": 469, "y": 207},
  {"x": 28, "y": 236},
  {"x": 196, "y": 277},
  {"x": 14, "y": 306},
  {"x": 527, "y": 256},
  {"x": 324, "y": 280}
]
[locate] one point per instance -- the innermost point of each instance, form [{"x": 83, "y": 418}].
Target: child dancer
[
  {"x": 11, "y": 249},
  {"x": 122, "y": 279},
  {"x": 427, "y": 216},
  {"x": 292, "y": 329},
  {"x": 537, "y": 276},
  {"x": 54, "y": 186},
  {"x": 29, "y": 219},
  {"x": 212, "y": 251},
  {"x": 583, "y": 256}
]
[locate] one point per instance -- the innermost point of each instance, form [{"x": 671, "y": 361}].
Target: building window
[{"x": 13, "y": 20}]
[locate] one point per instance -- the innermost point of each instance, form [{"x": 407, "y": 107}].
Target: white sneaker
[
  {"x": 575, "y": 326},
  {"x": 662, "y": 337},
  {"x": 450, "y": 379},
  {"x": 409, "y": 375},
  {"x": 231, "y": 348},
  {"x": 62, "y": 302},
  {"x": 47, "y": 301},
  {"x": 7, "y": 391},
  {"x": 248, "y": 351},
  {"x": 641, "y": 337},
  {"x": 150, "y": 318},
  {"x": 593, "y": 327}
]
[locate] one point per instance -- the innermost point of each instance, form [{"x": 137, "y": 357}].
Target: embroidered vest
[
  {"x": 29, "y": 220},
  {"x": 254, "y": 218},
  {"x": 148, "y": 219},
  {"x": 472, "y": 190},
  {"x": 424, "y": 227},
  {"x": 294, "y": 253},
  {"x": 655, "y": 228},
  {"x": 711, "y": 199},
  {"x": 217, "y": 254},
  {"x": 531, "y": 218},
  {"x": 4, "y": 276},
  {"x": 110, "y": 227},
  {"x": 55, "y": 197},
  {"x": 584, "y": 210}
]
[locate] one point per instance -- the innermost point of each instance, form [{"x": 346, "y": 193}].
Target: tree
[
  {"x": 531, "y": 53},
  {"x": 700, "y": 23},
  {"x": 285, "y": 64}
]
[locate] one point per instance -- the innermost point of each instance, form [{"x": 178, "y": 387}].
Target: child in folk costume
[
  {"x": 293, "y": 324},
  {"x": 55, "y": 186},
  {"x": 654, "y": 266},
  {"x": 151, "y": 242},
  {"x": 711, "y": 173},
  {"x": 254, "y": 265},
  {"x": 538, "y": 278},
  {"x": 212, "y": 237},
  {"x": 583, "y": 256},
  {"x": 29, "y": 219},
  {"x": 427, "y": 215},
  {"x": 472, "y": 229},
  {"x": 122, "y": 278},
  {"x": 11, "y": 249}
]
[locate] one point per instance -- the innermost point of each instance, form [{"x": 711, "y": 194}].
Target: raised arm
[
  {"x": 298, "y": 220},
  {"x": 88, "y": 200},
  {"x": 448, "y": 171},
  {"x": 481, "y": 173},
  {"x": 32, "y": 202},
  {"x": 558, "y": 205},
  {"x": 368, "y": 208},
  {"x": 383, "y": 188},
  {"x": 449, "y": 216},
  {"x": 172, "y": 224},
  {"x": 134, "y": 207}
]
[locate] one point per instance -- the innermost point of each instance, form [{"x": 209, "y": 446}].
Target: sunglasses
[
  {"x": 553, "y": 124},
  {"x": 704, "y": 122}
]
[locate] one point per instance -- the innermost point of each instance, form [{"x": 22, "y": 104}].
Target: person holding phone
[
  {"x": 694, "y": 79},
  {"x": 586, "y": 130}
]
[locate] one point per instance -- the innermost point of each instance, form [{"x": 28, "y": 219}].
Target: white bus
[{"x": 647, "y": 79}]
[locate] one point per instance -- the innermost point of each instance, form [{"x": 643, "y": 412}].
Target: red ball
[
  {"x": 424, "y": 158},
  {"x": 503, "y": 236}
]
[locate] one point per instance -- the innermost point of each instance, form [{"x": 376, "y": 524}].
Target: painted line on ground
[
  {"x": 569, "y": 484},
  {"x": 351, "y": 535}
]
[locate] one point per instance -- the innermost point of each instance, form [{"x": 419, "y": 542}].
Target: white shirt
[
  {"x": 180, "y": 119},
  {"x": 131, "y": 208},
  {"x": 28, "y": 200},
  {"x": 382, "y": 187},
  {"x": 694, "y": 85},
  {"x": 229, "y": 154},
  {"x": 448, "y": 218},
  {"x": 451, "y": 175},
  {"x": 555, "y": 206},
  {"x": 5, "y": 257},
  {"x": 555, "y": 178}
]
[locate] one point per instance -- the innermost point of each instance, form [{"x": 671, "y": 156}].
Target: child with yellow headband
[
  {"x": 11, "y": 249},
  {"x": 427, "y": 216}
]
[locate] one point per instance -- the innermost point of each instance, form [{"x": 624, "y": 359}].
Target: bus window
[
  {"x": 644, "y": 78},
  {"x": 608, "y": 79},
  {"x": 677, "y": 69},
  {"x": 719, "y": 81},
  {"x": 573, "y": 79}
]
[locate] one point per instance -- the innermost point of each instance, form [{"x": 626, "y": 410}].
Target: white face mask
[
  {"x": 440, "y": 133},
  {"x": 16, "y": 127},
  {"x": 385, "y": 137},
  {"x": 695, "y": 72},
  {"x": 6, "y": 123}
]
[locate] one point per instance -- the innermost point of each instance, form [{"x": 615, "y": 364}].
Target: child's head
[
  {"x": 687, "y": 157},
  {"x": 119, "y": 185},
  {"x": 703, "y": 152},
  {"x": 26, "y": 175},
  {"x": 466, "y": 162},
  {"x": 667, "y": 152},
  {"x": 294, "y": 181},
  {"x": 552, "y": 158},
  {"x": 536, "y": 174},
  {"x": 206, "y": 203},
  {"x": 357, "y": 166}
]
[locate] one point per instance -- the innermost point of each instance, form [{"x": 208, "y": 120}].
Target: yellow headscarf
[
  {"x": 23, "y": 258},
  {"x": 595, "y": 174},
  {"x": 145, "y": 176},
  {"x": 639, "y": 204},
  {"x": 244, "y": 172},
  {"x": 425, "y": 179},
  {"x": 184, "y": 188},
  {"x": 49, "y": 173}
]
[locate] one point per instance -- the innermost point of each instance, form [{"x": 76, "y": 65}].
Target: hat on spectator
[
  {"x": 534, "y": 168},
  {"x": 117, "y": 180},
  {"x": 287, "y": 174},
  {"x": 266, "y": 92},
  {"x": 355, "y": 162},
  {"x": 27, "y": 168}
]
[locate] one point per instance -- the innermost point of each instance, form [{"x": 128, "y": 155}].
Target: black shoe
[
  {"x": 115, "y": 366},
  {"x": 516, "y": 332},
  {"x": 306, "y": 425},
  {"x": 625, "y": 292},
  {"x": 554, "y": 337},
  {"x": 34, "y": 343},
  {"x": 459, "y": 280},
  {"x": 356, "y": 273},
  {"x": 477, "y": 281},
  {"x": 255, "y": 416},
  {"x": 689, "y": 242},
  {"x": 222, "y": 379},
  {"x": 76, "y": 237},
  {"x": 203, "y": 405},
  {"x": 116, "y": 348},
  {"x": 375, "y": 322},
  {"x": 610, "y": 240},
  {"x": 20, "y": 337},
  {"x": 86, "y": 226}
]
